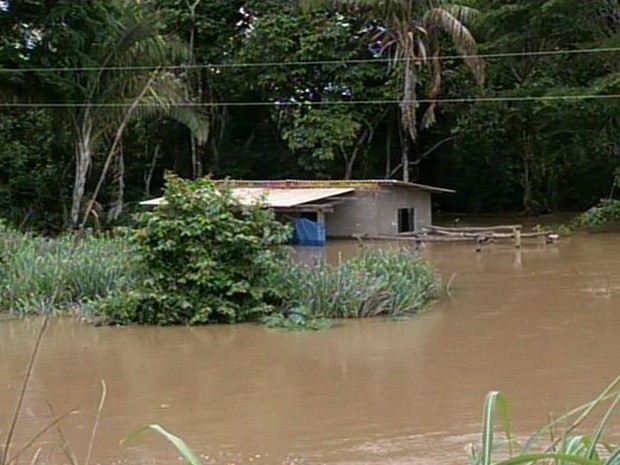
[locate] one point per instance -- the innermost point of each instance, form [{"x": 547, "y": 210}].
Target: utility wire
[
  {"x": 320, "y": 103},
  {"x": 267, "y": 64}
]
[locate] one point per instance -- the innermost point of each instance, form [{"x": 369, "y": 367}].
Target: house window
[
  {"x": 312, "y": 216},
  {"x": 406, "y": 220}
]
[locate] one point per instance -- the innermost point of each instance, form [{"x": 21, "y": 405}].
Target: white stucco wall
[{"x": 375, "y": 211}]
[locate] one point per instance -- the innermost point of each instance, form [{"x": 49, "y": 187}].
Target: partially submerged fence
[{"x": 478, "y": 235}]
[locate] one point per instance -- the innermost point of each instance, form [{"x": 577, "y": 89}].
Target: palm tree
[
  {"x": 411, "y": 31},
  {"x": 112, "y": 96}
]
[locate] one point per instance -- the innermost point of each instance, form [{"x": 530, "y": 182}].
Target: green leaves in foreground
[
  {"x": 563, "y": 448},
  {"x": 494, "y": 405},
  {"x": 188, "y": 455}
]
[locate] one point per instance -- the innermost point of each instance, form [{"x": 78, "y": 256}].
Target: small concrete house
[{"x": 381, "y": 207}]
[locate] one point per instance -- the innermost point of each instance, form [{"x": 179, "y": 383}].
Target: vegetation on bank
[
  {"x": 40, "y": 275},
  {"x": 390, "y": 282},
  {"x": 202, "y": 257},
  {"x": 606, "y": 212}
]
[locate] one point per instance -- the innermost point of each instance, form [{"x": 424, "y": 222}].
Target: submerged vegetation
[
  {"x": 40, "y": 275},
  {"x": 202, "y": 257},
  {"x": 391, "y": 282}
]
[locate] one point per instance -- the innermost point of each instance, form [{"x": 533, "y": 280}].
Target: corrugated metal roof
[
  {"x": 283, "y": 198},
  {"x": 352, "y": 183},
  {"x": 277, "y": 197},
  {"x": 153, "y": 202}
]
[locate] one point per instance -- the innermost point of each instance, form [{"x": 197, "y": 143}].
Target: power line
[
  {"x": 268, "y": 64},
  {"x": 321, "y": 103}
]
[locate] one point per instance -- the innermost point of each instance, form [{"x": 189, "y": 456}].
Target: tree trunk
[
  {"x": 409, "y": 106},
  {"x": 349, "y": 161},
  {"x": 388, "y": 152},
  {"x": 405, "y": 156},
  {"x": 149, "y": 175},
  {"x": 117, "y": 140},
  {"x": 120, "y": 196},
  {"x": 83, "y": 159},
  {"x": 348, "y": 171},
  {"x": 527, "y": 173}
]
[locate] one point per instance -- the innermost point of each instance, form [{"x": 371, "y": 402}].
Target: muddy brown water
[{"x": 541, "y": 324}]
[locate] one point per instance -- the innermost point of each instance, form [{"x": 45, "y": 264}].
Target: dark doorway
[{"x": 406, "y": 220}]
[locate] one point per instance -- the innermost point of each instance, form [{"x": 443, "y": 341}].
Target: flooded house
[{"x": 339, "y": 209}]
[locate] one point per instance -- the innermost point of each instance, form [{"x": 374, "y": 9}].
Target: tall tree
[
  {"x": 411, "y": 32},
  {"x": 117, "y": 57},
  {"x": 312, "y": 84}
]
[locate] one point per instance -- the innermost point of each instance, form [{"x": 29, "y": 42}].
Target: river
[{"x": 542, "y": 324}]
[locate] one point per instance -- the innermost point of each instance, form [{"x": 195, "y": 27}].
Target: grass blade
[
  {"x": 547, "y": 456},
  {"x": 187, "y": 454},
  {"x": 104, "y": 393},
  {"x": 37, "y": 436},
  {"x": 584, "y": 410},
  {"x": 22, "y": 394},
  {"x": 495, "y": 403},
  {"x": 614, "y": 459},
  {"x": 598, "y": 432}
]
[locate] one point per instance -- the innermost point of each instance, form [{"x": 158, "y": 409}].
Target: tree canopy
[{"x": 512, "y": 103}]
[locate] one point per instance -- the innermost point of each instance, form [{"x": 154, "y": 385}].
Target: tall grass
[
  {"x": 39, "y": 275},
  {"x": 557, "y": 442},
  {"x": 392, "y": 282}
]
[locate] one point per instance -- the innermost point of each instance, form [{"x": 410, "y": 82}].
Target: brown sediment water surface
[{"x": 542, "y": 324}]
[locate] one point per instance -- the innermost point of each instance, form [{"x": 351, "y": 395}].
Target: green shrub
[
  {"x": 38, "y": 275},
  {"x": 606, "y": 211},
  {"x": 207, "y": 259},
  {"x": 393, "y": 282}
]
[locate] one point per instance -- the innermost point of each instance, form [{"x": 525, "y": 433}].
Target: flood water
[{"x": 541, "y": 324}]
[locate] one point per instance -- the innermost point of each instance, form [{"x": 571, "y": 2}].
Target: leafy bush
[
  {"x": 207, "y": 259},
  {"x": 606, "y": 211},
  {"x": 392, "y": 282},
  {"x": 38, "y": 275}
]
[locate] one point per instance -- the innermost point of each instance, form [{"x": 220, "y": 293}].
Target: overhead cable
[
  {"x": 310, "y": 104},
  {"x": 268, "y": 64}
]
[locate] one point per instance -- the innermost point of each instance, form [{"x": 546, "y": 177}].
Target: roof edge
[{"x": 353, "y": 183}]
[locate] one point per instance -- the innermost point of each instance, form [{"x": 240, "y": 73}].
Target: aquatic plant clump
[
  {"x": 40, "y": 275},
  {"x": 392, "y": 282}
]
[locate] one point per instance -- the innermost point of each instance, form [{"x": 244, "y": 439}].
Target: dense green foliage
[
  {"x": 207, "y": 259},
  {"x": 39, "y": 275},
  {"x": 201, "y": 257},
  {"x": 120, "y": 117}
]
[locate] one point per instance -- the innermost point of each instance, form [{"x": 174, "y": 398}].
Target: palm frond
[{"x": 462, "y": 38}]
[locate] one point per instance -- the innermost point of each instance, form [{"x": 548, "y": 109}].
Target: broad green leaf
[{"x": 187, "y": 454}]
